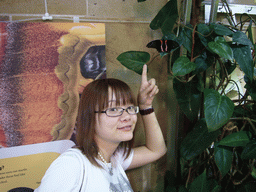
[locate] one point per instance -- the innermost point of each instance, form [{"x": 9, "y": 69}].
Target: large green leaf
[
  {"x": 185, "y": 36},
  {"x": 188, "y": 96},
  {"x": 203, "y": 62},
  {"x": 222, "y": 49},
  {"x": 243, "y": 57},
  {"x": 203, "y": 184},
  {"x": 238, "y": 139},
  {"x": 134, "y": 60},
  {"x": 223, "y": 158},
  {"x": 183, "y": 66},
  {"x": 166, "y": 17},
  {"x": 221, "y": 29},
  {"x": 200, "y": 184},
  {"x": 217, "y": 109},
  {"x": 167, "y": 26},
  {"x": 249, "y": 152},
  {"x": 203, "y": 33},
  {"x": 241, "y": 38},
  {"x": 197, "y": 140}
]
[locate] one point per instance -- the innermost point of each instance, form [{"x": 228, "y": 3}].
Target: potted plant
[{"x": 219, "y": 151}]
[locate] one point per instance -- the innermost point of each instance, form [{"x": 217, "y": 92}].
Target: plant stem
[{"x": 247, "y": 119}]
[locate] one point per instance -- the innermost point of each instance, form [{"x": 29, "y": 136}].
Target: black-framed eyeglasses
[{"x": 118, "y": 111}]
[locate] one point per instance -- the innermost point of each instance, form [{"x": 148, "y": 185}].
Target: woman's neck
[{"x": 107, "y": 150}]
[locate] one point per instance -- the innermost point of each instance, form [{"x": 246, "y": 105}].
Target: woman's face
[{"x": 114, "y": 129}]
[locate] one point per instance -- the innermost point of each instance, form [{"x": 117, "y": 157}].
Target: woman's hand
[
  {"x": 148, "y": 90},
  {"x": 154, "y": 147}
]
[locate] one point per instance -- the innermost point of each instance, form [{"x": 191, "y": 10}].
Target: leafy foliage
[
  {"x": 219, "y": 152},
  {"x": 134, "y": 60},
  {"x": 218, "y": 109}
]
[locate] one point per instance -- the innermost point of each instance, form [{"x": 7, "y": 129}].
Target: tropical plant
[{"x": 219, "y": 152}]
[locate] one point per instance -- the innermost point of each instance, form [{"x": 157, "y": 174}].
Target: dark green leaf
[
  {"x": 141, "y": 1},
  {"x": 203, "y": 33},
  {"x": 249, "y": 152},
  {"x": 217, "y": 109},
  {"x": 241, "y": 38},
  {"x": 166, "y": 17},
  {"x": 186, "y": 36},
  {"x": 197, "y": 140},
  {"x": 221, "y": 29},
  {"x": 189, "y": 96},
  {"x": 200, "y": 184},
  {"x": 251, "y": 86},
  {"x": 203, "y": 62},
  {"x": 168, "y": 24},
  {"x": 250, "y": 32},
  {"x": 182, "y": 66},
  {"x": 220, "y": 39},
  {"x": 134, "y": 60},
  {"x": 243, "y": 57},
  {"x": 223, "y": 158},
  {"x": 222, "y": 49},
  {"x": 217, "y": 188},
  {"x": 238, "y": 139},
  {"x": 170, "y": 36}
]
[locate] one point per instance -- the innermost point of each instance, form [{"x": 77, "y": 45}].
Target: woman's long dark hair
[{"x": 95, "y": 96}]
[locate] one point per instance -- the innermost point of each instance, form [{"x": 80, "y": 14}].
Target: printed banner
[
  {"x": 24, "y": 166},
  {"x": 43, "y": 68}
]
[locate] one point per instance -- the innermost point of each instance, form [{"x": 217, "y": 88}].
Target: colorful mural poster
[{"x": 43, "y": 68}]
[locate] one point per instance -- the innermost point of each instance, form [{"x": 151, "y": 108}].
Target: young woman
[{"x": 106, "y": 120}]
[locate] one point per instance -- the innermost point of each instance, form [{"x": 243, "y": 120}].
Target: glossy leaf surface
[
  {"x": 134, "y": 60},
  {"x": 188, "y": 96},
  {"x": 221, "y": 29},
  {"x": 203, "y": 184},
  {"x": 197, "y": 140},
  {"x": 203, "y": 62},
  {"x": 204, "y": 31},
  {"x": 243, "y": 57},
  {"x": 249, "y": 152},
  {"x": 185, "y": 36},
  {"x": 166, "y": 17},
  {"x": 183, "y": 66},
  {"x": 222, "y": 49},
  {"x": 223, "y": 157},
  {"x": 238, "y": 139},
  {"x": 217, "y": 109},
  {"x": 200, "y": 183},
  {"x": 241, "y": 38}
]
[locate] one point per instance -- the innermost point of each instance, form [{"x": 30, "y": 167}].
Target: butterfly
[{"x": 163, "y": 45}]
